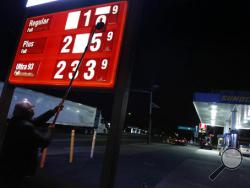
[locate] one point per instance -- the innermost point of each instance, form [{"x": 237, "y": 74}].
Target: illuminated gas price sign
[{"x": 51, "y": 46}]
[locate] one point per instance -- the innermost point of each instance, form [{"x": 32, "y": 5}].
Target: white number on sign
[
  {"x": 91, "y": 72},
  {"x": 30, "y": 66},
  {"x": 74, "y": 64},
  {"x": 110, "y": 36},
  {"x": 87, "y": 15},
  {"x": 104, "y": 64},
  {"x": 115, "y": 9},
  {"x": 61, "y": 65},
  {"x": 67, "y": 40},
  {"x": 87, "y": 75},
  {"x": 96, "y": 41}
]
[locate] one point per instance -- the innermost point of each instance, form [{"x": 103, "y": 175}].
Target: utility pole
[
  {"x": 150, "y": 117},
  {"x": 151, "y": 106}
]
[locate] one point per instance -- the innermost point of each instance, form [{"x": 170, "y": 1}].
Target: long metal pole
[
  {"x": 98, "y": 26},
  {"x": 75, "y": 72}
]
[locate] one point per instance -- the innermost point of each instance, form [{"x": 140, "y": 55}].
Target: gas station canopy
[{"x": 215, "y": 109}]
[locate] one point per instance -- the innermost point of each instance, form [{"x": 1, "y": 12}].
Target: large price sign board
[{"x": 51, "y": 46}]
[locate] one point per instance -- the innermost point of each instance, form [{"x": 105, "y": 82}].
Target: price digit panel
[{"x": 51, "y": 46}]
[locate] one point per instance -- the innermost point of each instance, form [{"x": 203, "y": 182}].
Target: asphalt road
[{"x": 140, "y": 166}]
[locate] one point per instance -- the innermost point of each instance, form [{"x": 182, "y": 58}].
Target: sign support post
[
  {"x": 8, "y": 89},
  {"x": 121, "y": 95},
  {"x": 5, "y": 102}
]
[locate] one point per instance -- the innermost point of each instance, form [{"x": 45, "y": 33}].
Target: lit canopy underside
[{"x": 215, "y": 109}]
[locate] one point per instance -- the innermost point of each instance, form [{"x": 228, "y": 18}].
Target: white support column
[
  {"x": 226, "y": 128},
  {"x": 233, "y": 130},
  {"x": 234, "y": 118}
]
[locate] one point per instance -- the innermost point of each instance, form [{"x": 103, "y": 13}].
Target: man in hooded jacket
[{"x": 19, "y": 155}]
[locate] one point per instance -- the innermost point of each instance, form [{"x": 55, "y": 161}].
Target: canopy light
[
  {"x": 212, "y": 122},
  {"x": 245, "y": 121},
  {"x": 214, "y": 107},
  {"x": 31, "y": 3},
  {"x": 213, "y": 114},
  {"x": 238, "y": 127}
]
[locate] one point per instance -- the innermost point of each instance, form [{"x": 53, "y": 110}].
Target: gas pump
[{"x": 229, "y": 140}]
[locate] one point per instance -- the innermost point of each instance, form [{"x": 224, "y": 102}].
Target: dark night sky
[{"x": 184, "y": 46}]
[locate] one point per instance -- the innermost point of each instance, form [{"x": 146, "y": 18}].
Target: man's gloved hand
[{"x": 58, "y": 108}]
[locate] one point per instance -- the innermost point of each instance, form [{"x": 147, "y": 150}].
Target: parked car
[
  {"x": 177, "y": 141},
  {"x": 245, "y": 150}
]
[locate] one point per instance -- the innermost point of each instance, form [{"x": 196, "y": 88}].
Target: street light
[{"x": 151, "y": 106}]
